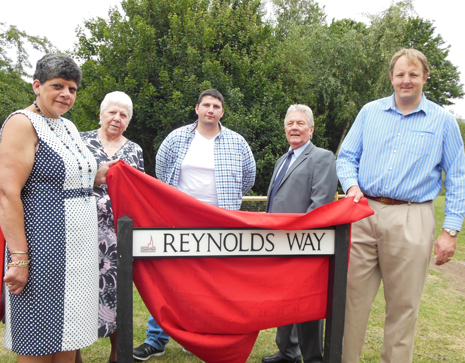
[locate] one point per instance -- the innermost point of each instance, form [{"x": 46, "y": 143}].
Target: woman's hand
[
  {"x": 17, "y": 155},
  {"x": 101, "y": 177},
  {"x": 16, "y": 278}
]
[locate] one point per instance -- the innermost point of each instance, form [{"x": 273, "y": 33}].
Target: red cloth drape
[{"x": 215, "y": 307}]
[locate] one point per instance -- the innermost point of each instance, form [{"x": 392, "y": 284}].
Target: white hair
[
  {"x": 118, "y": 97},
  {"x": 301, "y": 108}
]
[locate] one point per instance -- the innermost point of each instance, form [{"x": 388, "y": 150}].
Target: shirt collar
[
  {"x": 300, "y": 150},
  {"x": 194, "y": 126},
  {"x": 391, "y": 104}
]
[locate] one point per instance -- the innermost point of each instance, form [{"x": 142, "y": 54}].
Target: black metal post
[
  {"x": 336, "y": 305},
  {"x": 124, "y": 294}
]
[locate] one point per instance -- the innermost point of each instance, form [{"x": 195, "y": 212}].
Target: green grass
[
  {"x": 439, "y": 205},
  {"x": 440, "y": 335}
]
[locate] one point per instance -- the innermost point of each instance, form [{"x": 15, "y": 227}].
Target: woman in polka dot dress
[{"x": 49, "y": 219}]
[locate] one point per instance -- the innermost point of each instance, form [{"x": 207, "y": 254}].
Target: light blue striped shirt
[{"x": 389, "y": 154}]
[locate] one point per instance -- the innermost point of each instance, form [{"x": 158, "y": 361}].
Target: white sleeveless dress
[{"x": 58, "y": 308}]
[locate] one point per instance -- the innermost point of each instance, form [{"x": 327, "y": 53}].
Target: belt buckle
[{"x": 383, "y": 202}]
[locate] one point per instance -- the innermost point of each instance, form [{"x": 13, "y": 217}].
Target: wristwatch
[{"x": 452, "y": 232}]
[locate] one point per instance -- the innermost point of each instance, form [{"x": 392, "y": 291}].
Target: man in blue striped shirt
[{"x": 394, "y": 155}]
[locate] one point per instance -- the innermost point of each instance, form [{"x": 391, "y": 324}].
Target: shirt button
[
  {"x": 390, "y": 168},
  {"x": 395, "y": 151},
  {"x": 386, "y": 186},
  {"x": 422, "y": 134},
  {"x": 398, "y": 134}
]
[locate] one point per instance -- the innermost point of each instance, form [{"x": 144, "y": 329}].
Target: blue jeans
[{"x": 156, "y": 337}]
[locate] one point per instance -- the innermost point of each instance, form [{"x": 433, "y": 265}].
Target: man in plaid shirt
[{"x": 209, "y": 162}]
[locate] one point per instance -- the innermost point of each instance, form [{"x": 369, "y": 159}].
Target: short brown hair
[
  {"x": 412, "y": 55},
  {"x": 213, "y": 93}
]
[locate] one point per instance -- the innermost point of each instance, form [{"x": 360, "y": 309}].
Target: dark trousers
[{"x": 301, "y": 340}]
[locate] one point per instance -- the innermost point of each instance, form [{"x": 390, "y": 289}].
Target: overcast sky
[{"x": 57, "y": 20}]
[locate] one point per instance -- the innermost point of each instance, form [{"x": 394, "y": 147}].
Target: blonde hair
[{"x": 412, "y": 56}]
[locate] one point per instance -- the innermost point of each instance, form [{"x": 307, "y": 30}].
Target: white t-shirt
[{"x": 197, "y": 174}]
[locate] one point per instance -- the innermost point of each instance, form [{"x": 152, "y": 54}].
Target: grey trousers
[{"x": 301, "y": 340}]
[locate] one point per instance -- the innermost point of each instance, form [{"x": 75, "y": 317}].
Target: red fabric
[{"x": 215, "y": 307}]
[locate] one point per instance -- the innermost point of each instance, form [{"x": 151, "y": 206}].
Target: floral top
[{"x": 131, "y": 153}]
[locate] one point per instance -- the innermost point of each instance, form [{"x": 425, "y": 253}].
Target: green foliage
[
  {"x": 443, "y": 83},
  {"x": 13, "y": 38},
  {"x": 15, "y": 93},
  {"x": 295, "y": 13},
  {"x": 164, "y": 53}
]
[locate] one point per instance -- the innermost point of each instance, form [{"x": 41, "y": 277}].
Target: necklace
[
  {"x": 85, "y": 192},
  {"x": 104, "y": 140}
]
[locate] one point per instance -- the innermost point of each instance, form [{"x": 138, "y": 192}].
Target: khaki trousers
[{"x": 394, "y": 245}]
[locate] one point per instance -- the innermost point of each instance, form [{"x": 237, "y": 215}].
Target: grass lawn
[{"x": 440, "y": 335}]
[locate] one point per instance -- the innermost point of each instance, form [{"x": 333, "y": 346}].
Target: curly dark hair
[{"x": 57, "y": 66}]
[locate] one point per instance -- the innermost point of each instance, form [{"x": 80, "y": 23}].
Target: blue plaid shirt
[
  {"x": 389, "y": 154},
  {"x": 234, "y": 163}
]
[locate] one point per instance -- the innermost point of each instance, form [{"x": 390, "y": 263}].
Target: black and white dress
[
  {"x": 131, "y": 153},
  {"x": 58, "y": 308}
]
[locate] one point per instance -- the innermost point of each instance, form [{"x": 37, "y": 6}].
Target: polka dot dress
[{"x": 58, "y": 308}]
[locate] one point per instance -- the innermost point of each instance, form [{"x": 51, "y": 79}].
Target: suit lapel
[
  {"x": 305, "y": 154},
  {"x": 302, "y": 157}
]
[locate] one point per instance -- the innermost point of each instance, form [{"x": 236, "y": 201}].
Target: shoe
[
  {"x": 145, "y": 351},
  {"x": 277, "y": 358}
]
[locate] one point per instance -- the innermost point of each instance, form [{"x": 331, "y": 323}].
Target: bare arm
[{"x": 17, "y": 153}]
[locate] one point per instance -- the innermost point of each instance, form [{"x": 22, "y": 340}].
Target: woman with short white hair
[{"x": 108, "y": 143}]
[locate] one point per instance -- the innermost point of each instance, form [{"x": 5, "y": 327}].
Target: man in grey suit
[{"x": 303, "y": 180}]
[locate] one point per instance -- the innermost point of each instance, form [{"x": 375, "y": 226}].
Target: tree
[
  {"x": 443, "y": 84},
  {"x": 13, "y": 38},
  {"x": 288, "y": 14},
  {"x": 164, "y": 53},
  {"x": 397, "y": 28},
  {"x": 15, "y": 93}
]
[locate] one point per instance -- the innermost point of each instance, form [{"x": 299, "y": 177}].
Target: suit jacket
[{"x": 309, "y": 183}]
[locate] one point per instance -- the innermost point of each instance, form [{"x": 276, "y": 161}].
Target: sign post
[
  {"x": 124, "y": 305},
  {"x": 233, "y": 242}
]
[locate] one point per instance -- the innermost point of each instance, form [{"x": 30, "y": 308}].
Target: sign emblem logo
[{"x": 150, "y": 247}]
